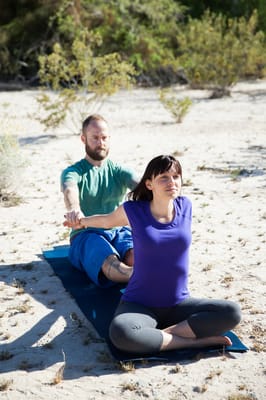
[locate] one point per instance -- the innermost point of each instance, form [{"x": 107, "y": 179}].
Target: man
[{"x": 96, "y": 185}]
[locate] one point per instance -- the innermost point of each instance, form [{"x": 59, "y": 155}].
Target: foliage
[
  {"x": 79, "y": 77},
  {"x": 24, "y": 33},
  {"x": 11, "y": 166},
  {"x": 177, "y": 107},
  {"x": 144, "y": 31},
  {"x": 229, "y": 8},
  {"x": 236, "y": 8},
  {"x": 220, "y": 51}
]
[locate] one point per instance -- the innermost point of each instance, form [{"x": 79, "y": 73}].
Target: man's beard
[{"x": 97, "y": 155}]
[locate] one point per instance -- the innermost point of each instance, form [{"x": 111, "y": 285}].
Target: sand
[{"x": 48, "y": 350}]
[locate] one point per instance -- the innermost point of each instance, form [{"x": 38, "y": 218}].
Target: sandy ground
[{"x": 47, "y": 347}]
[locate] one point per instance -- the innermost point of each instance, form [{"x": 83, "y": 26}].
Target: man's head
[{"x": 95, "y": 135}]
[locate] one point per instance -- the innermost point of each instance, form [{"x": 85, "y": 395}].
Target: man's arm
[{"x": 71, "y": 198}]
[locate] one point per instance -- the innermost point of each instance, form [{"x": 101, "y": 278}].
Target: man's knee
[{"x": 115, "y": 270}]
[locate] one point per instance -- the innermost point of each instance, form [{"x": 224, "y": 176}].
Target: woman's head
[{"x": 156, "y": 166}]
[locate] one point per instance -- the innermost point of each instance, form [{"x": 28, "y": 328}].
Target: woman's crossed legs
[{"x": 191, "y": 323}]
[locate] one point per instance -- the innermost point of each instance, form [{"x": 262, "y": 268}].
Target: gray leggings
[{"x": 136, "y": 328}]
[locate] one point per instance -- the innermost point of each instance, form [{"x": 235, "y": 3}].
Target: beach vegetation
[
  {"x": 165, "y": 41},
  {"x": 59, "y": 375},
  {"x": 12, "y": 165},
  {"x": 128, "y": 366},
  {"x": 5, "y": 384},
  {"x": 177, "y": 368},
  {"x": 218, "y": 51},
  {"x": 241, "y": 396},
  {"x": 144, "y": 32},
  {"x": 177, "y": 107},
  {"x": 75, "y": 79}
]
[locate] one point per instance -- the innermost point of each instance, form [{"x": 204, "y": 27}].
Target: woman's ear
[{"x": 148, "y": 184}]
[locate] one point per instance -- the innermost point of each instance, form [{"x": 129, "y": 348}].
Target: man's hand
[{"x": 72, "y": 219}]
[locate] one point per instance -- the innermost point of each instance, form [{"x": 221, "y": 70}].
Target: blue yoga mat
[{"x": 99, "y": 304}]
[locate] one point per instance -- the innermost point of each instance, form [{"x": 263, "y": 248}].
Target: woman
[{"x": 156, "y": 311}]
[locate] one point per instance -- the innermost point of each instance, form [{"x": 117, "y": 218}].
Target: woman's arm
[{"x": 106, "y": 221}]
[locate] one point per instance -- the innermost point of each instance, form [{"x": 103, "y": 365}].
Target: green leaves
[
  {"x": 219, "y": 51},
  {"x": 79, "y": 77}
]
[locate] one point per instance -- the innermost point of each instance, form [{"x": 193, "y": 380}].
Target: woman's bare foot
[
  {"x": 213, "y": 341},
  {"x": 177, "y": 342}
]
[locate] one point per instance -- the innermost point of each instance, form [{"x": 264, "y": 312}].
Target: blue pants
[{"x": 90, "y": 248}]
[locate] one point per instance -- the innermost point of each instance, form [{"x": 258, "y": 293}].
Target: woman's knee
[
  {"x": 132, "y": 336},
  {"x": 122, "y": 333},
  {"x": 234, "y": 313}
]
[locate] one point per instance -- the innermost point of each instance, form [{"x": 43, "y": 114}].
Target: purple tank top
[{"x": 161, "y": 254}]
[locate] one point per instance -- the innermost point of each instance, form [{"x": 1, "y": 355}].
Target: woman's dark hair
[{"x": 156, "y": 166}]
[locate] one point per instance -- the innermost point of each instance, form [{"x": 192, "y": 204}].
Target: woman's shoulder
[
  {"x": 184, "y": 204},
  {"x": 184, "y": 200},
  {"x": 135, "y": 204}
]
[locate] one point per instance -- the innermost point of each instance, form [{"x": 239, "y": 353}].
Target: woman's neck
[{"x": 163, "y": 212}]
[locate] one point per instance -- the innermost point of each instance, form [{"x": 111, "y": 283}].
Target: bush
[
  {"x": 11, "y": 167},
  {"x": 142, "y": 30},
  {"x": 177, "y": 107},
  {"x": 80, "y": 79},
  {"x": 219, "y": 51}
]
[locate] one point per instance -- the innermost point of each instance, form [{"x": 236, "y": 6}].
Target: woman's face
[{"x": 165, "y": 185}]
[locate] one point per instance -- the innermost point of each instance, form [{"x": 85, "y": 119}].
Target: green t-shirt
[{"x": 101, "y": 189}]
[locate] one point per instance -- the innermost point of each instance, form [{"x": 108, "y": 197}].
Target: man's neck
[{"x": 96, "y": 163}]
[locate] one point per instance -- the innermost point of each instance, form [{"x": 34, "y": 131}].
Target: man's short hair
[{"x": 90, "y": 119}]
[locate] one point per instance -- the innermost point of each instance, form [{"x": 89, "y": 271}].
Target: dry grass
[
  {"x": 240, "y": 396},
  {"x": 5, "y": 384},
  {"x": 176, "y": 369},
  {"x": 126, "y": 366},
  {"x": 11, "y": 166},
  {"x": 59, "y": 375},
  {"x": 134, "y": 387}
]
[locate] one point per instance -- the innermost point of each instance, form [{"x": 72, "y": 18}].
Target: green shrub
[
  {"x": 219, "y": 51},
  {"x": 78, "y": 80},
  {"x": 177, "y": 107},
  {"x": 144, "y": 31}
]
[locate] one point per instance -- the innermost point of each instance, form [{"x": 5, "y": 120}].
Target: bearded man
[{"x": 97, "y": 185}]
